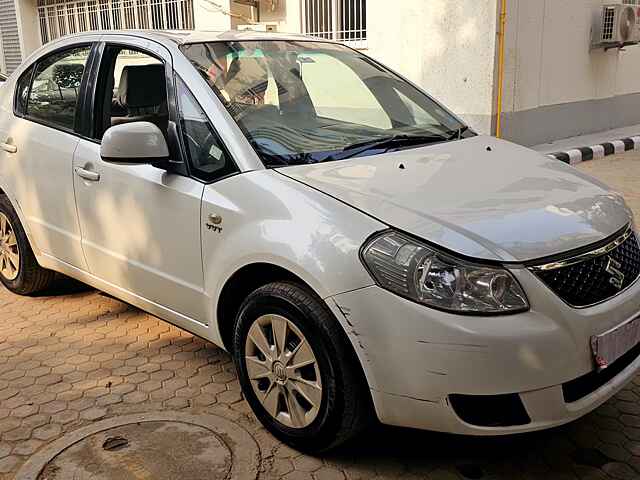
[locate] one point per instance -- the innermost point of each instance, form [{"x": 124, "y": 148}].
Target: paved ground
[{"x": 76, "y": 356}]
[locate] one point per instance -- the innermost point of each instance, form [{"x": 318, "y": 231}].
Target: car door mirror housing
[{"x": 134, "y": 143}]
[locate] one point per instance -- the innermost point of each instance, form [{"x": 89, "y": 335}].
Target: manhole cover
[
  {"x": 156, "y": 450},
  {"x": 154, "y": 446}
]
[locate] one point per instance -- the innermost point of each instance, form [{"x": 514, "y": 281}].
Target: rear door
[{"x": 37, "y": 146}]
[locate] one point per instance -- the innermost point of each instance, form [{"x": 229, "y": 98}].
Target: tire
[
  {"x": 30, "y": 277},
  {"x": 344, "y": 409}
]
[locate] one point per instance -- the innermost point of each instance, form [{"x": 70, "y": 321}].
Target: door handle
[
  {"x": 87, "y": 174},
  {"x": 7, "y": 147}
]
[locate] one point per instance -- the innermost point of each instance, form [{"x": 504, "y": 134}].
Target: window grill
[
  {"x": 341, "y": 20},
  {"x": 608, "y": 24},
  {"x": 61, "y": 17}
]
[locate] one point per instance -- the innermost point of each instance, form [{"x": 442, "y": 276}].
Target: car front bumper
[{"x": 417, "y": 359}]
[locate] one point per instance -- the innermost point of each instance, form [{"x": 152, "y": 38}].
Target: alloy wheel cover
[
  {"x": 283, "y": 371},
  {"x": 9, "y": 251}
]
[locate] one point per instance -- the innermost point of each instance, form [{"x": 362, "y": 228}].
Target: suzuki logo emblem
[{"x": 617, "y": 277}]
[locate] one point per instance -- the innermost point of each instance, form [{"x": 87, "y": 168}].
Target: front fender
[{"x": 270, "y": 218}]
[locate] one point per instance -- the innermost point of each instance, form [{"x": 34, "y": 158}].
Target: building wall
[
  {"x": 287, "y": 14},
  {"x": 212, "y": 14},
  {"x": 284, "y": 13},
  {"x": 554, "y": 86},
  {"x": 446, "y": 47},
  {"x": 27, "y": 15},
  {"x": 10, "y": 36},
  {"x": 426, "y": 41}
]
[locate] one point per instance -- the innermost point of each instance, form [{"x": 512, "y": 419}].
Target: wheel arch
[
  {"x": 254, "y": 275},
  {"x": 13, "y": 201},
  {"x": 240, "y": 284}
]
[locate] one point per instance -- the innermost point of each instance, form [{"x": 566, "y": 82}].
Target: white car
[{"x": 358, "y": 249}]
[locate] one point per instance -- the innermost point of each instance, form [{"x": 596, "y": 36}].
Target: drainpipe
[{"x": 501, "y": 41}]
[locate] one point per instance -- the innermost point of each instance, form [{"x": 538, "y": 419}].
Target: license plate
[{"x": 610, "y": 346}]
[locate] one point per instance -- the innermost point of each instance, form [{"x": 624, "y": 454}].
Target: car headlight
[{"x": 416, "y": 271}]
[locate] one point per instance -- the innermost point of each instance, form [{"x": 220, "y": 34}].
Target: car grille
[{"x": 597, "y": 275}]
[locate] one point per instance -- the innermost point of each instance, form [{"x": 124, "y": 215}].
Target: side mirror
[{"x": 134, "y": 143}]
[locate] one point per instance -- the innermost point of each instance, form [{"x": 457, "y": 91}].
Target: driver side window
[{"x": 207, "y": 154}]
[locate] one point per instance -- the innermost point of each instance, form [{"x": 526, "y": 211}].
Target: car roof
[{"x": 198, "y": 36}]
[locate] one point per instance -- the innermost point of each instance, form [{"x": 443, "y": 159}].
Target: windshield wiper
[
  {"x": 387, "y": 143},
  {"x": 457, "y": 134}
]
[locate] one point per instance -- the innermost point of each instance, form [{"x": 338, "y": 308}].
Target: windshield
[{"x": 303, "y": 102}]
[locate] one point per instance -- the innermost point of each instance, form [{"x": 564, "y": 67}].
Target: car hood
[{"x": 481, "y": 197}]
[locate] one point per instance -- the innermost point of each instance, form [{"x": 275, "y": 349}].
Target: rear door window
[{"x": 55, "y": 90}]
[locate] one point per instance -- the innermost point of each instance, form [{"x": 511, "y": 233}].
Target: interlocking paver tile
[
  {"x": 93, "y": 414},
  {"x": 97, "y": 392},
  {"x": 7, "y": 464},
  {"x": 137, "y": 377},
  {"x": 150, "y": 386},
  {"x": 36, "y": 420},
  {"x": 124, "y": 370},
  {"x": 213, "y": 388},
  {"x": 297, "y": 475},
  {"x": 135, "y": 397},
  {"x": 65, "y": 417},
  {"x": 49, "y": 379},
  {"x": 54, "y": 406},
  {"x": 229, "y": 397},
  {"x": 15, "y": 402},
  {"x": 24, "y": 411},
  {"x": 81, "y": 403},
  {"x": 305, "y": 463},
  {"x": 177, "y": 403},
  {"x": 7, "y": 424},
  {"x": 47, "y": 432},
  {"x": 19, "y": 433},
  {"x": 5, "y": 449},
  {"x": 28, "y": 447},
  {"x": 88, "y": 367},
  {"x": 327, "y": 473}
]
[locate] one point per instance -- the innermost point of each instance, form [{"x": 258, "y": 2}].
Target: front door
[{"x": 140, "y": 224}]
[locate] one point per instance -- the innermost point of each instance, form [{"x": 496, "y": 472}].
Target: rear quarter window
[{"x": 22, "y": 91}]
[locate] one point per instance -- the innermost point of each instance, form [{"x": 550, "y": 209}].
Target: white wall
[
  {"x": 27, "y": 16},
  {"x": 549, "y": 62},
  {"x": 286, "y": 14},
  {"x": 447, "y": 47},
  {"x": 212, "y": 14}
]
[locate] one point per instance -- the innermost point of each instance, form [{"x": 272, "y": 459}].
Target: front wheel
[{"x": 297, "y": 370}]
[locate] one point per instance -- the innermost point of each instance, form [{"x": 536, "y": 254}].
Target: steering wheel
[{"x": 203, "y": 148}]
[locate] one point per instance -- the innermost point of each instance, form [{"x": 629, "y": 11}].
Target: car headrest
[{"x": 142, "y": 86}]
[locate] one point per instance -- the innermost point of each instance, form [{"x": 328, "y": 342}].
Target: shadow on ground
[
  {"x": 64, "y": 286},
  {"x": 576, "y": 450}
]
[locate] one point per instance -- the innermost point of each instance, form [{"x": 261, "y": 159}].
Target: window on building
[
  {"x": 63, "y": 17},
  {"x": 56, "y": 86},
  {"x": 342, "y": 20}
]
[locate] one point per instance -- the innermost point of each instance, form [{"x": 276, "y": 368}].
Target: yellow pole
[{"x": 501, "y": 41}]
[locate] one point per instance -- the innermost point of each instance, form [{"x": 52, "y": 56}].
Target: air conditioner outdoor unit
[
  {"x": 260, "y": 27},
  {"x": 618, "y": 26}
]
